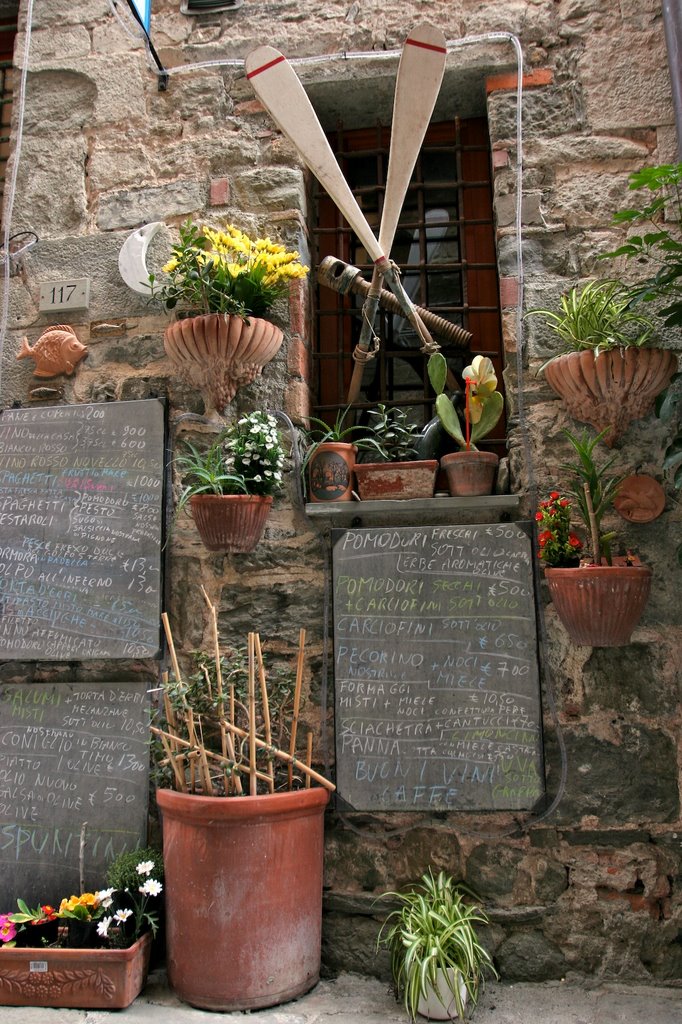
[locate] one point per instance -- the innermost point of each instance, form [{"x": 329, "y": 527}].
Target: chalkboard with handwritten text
[
  {"x": 436, "y": 677},
  {"x": 70, "y": 753},
  {"x": 81, "y": 491}
]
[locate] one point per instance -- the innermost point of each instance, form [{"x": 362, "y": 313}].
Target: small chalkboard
[
  {"x": 436, "y": 677},
  {"x": 81, "y": 491},
  {"x": 70, "y": 754}
]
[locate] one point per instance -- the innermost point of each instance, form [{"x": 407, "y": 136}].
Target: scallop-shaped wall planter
[{"x": 614, "y": 388}]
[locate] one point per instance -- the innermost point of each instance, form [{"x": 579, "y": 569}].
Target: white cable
[{"x": 11, "y": 191}]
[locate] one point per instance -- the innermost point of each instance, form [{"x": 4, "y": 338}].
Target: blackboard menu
[
  {"x": 69, "y": 754},
  {"x": 436, "y": 678},
  {"x": 81, "y": 491}
]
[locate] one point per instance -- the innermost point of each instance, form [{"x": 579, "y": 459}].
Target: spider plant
[
  {"x": 597, "y": 317},
  {"x": 431, "y": 937}
]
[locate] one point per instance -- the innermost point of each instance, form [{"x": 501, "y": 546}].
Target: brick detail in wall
[
  {"x": 509, "y": 291},
  {"x": 533, "y": 80},
  {"x": 500, "y": 159},
  {"x": 219, "y": 193}
]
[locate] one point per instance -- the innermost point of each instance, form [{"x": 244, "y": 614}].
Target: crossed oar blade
[{"x": 278, "y": 88}]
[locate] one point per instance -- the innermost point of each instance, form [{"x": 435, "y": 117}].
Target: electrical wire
[{"x": 12, "y": 188}]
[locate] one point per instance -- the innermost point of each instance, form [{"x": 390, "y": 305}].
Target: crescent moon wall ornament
[{"x": 132, "y": 259}]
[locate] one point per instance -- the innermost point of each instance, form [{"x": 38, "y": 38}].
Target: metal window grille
[{"x": 445, "y": 248}]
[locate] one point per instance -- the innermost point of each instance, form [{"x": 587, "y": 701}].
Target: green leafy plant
[
  {"x": 246, "y": 458},
  {"x": 483, "y": 403},
  {"x": 598, "y": 317},
  {"x": 122, "y": 873},
  {"x": 659, "y": 249},
  {"x": 214, "y": 271},
  {"x": 602, "y": 490},
  {"x": 432, "y": 931},
  {"x": 392, "y": 436}
]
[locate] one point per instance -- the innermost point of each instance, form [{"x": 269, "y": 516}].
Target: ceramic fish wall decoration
[{"x": 56, "y": 351}]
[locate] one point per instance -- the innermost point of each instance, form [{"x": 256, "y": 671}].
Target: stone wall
[{"x": 596, "y": 887}]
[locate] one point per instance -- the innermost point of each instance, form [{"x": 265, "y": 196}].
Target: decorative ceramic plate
[{"x": 640, "y": 499}]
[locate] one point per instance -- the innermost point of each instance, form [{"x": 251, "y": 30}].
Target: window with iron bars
[{"x": 445, "y": 249}]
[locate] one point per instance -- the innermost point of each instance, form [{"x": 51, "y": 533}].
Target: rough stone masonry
[{"x": 596, "y": 888}]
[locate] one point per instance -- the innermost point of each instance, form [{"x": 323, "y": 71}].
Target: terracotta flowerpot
[
  {"x": 402, "y": 480},
  {"x": 600, "y": 605},
  {"x": 84, "y": 979},
  {"x": 230, "y": 522},
  {"x": 330, "y": 471},
  {"x": 243, "y": 892},
  {"x": 219, "y": 354},
  {"x": 612, "y": 390},
  {"x": 470, "y": 473}
]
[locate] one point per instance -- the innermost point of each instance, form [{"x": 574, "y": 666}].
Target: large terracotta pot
[
  {"x": 600, "y": 605},
  {"x": 219, "y": 354},
  {"x": 393, "y": 480},
  {"x": 470, "y": 473},
  {"x": 614, "y": 388},
  {"x": 230, "y": 522},
  {"x": 84, "y": 979},
  {"x": 243, "y": 896},
  {"x": 330, "y": 471}
]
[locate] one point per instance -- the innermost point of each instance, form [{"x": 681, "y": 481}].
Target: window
[{"x": 445, "y": 248}]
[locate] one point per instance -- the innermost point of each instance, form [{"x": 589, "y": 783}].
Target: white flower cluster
[{"x": 255, "y": 451}]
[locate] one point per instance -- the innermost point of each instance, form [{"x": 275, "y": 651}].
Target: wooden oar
[
  {"x": 278, "y": 88},
  {"x": 417, "y": 85}
]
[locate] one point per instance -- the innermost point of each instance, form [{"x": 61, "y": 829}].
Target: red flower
[
  {"x": 554, "y": 495},
  {"x": 574, "y": 541},
  {"x": 538, "y": 517}
]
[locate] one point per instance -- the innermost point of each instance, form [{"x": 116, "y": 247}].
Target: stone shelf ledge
[{"x": 424, "y": 511}]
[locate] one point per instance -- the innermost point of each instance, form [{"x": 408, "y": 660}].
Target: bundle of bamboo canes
[{"x": 244, "y": 756}]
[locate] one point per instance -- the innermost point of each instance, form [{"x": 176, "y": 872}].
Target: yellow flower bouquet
[{"x": 225, "y": 271}]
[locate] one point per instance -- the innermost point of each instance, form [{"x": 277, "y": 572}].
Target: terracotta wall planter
[
  {"x": 219, "y": 354},
  {"x": 243, "y": 896},
  {"x": 330, "y": 472},
  {"x": 230, "y": 522},
  {"x": 470, "y": 473},
  {"x": 84, "y": 979},
  {"x": 612, "y": 390},
  {"x": 394, "y": 480},
  {"x": 600, "y": 605}
]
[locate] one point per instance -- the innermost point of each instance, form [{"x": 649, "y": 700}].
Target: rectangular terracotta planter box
[
  {"x": 78, "y": 979},
  {"x": 396, "y": 480}
]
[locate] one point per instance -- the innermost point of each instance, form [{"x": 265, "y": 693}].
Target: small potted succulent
[
  {"x": 437, "y": 960},
  {"x": 229, "y": 486},
  {"x": 469, "y": 471},
  {"x": 610, "y": 372},
  {"x": 390, "y": 465},
  {"x": 220, "y": 284},
  {"x": 601, "y": 599}
]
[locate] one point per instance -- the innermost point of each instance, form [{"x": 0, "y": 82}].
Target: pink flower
[{"x": 8, "y": 929}]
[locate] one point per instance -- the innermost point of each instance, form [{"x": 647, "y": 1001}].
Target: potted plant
[
  {"x": 609, "y": 373},
  {"x": 97, "y": 956},
  {"x": 393, "y": 468},
  {"x": 437, "y": 961},
  {"x": 229, "y": 486},
  {"x": 242, "y": 832},
  {"x": 219, "y": 285},
  {"x": 469, "y": 471},
  {"x": 329, "y": 459},
  {"x": 601, "y": 600}
]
